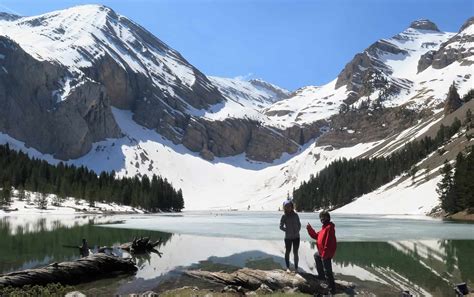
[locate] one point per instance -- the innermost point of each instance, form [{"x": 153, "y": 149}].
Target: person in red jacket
[{"x": 326, "y": 244}]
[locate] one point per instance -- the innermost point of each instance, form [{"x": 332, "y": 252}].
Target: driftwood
[
  {"x": 276, "y": 280},
  {"x": 141, "y": 245},
  {"x": 137, "y": 246},
  {"x": 70, "y": 273}
]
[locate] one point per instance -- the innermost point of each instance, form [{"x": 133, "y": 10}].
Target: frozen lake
[
  {"x": 265, "y": 225},
  {"x": 382, "y": 255}
]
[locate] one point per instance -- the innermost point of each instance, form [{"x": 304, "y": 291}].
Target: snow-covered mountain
[
  {"x": 387, "y": 70},
  {"x": 100, "y": 90},
  {"x": 83, "y": 36},
  {"x": 138, "y": 72}
]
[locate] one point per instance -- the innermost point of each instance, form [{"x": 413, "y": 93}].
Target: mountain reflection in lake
[{"x": 423, "y": 266}]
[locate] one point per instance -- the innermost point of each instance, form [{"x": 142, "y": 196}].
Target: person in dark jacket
[
  {"x": 326, "y": 244},
  {"x": 291, "y": 225}
]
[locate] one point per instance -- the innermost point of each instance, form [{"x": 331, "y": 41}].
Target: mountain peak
[
  {"x": 468, "y": 23},
  {"x": 90, "y": 8},
  {"x": 424, "y": 25}
]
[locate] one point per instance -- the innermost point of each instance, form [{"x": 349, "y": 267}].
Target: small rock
[
  {"x": 233, "y": 289},
  {"x": 229, "y": 289},
  {"x": 75, "y": 294},
  {"x": 264, "y": 290},
  {"x": 149, "y": 294},
  {"x": 289, "y": 290}
]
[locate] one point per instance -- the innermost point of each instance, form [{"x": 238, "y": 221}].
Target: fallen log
[
  {"x": 276, "y": 280},
  {"x": 70, "y": 273}
]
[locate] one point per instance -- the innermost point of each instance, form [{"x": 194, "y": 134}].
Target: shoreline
[
  {"x": 466, "y": 215},
  {"x": 462, "y": 216}
]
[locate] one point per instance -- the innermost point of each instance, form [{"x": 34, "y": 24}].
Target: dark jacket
[
  {"x": 290, "y": 223},
  {"x": 325, "y": 240}
]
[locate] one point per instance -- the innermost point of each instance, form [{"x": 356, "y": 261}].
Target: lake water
[{"x": 382, "y": 255}]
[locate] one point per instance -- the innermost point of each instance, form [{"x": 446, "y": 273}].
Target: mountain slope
[
  {"x": 82, "y": 37},
  {"x": 138, "y": 72},
  {"x": 138, "y": 107}
]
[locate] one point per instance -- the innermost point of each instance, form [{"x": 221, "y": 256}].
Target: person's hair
[
  {"x": 324, "y": 214},
  {"x": 289, "y": 204}
]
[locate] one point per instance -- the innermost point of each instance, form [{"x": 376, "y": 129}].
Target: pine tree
[
  {"x": 445, "y": 188},
  {"x": 468, "y": 96},
  {"x": 469, "y": 121},
  {"x": 41, "y": 200},
  {"x": 28, "y": 198},
  {"x": 57, "y": 200},
  {"x": 463, "y": 180},
  {"x": 6, "y": 194},
  {"x": 79, "y": 182},
  {"x": 413, "y": 172},
  {"x": 21, "y": 193},
  {"x": 427, "y": 173}
]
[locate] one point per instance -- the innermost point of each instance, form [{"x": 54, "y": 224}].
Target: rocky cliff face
[
  {"x": 367, "y": 72},
  {"x": 362, "y": 126},
  {"x": 453, "y": 101},
  {"x": 33, "y": 110},
  {"x": 112, "y": 61},
  {"x": 458, "y": 48},
  {"x": 371, "y": 70},
  {"x": 235, "y": 136},
  {"x": 69, "y": 67},
  {"x": 278, "y": 92},
  {"x": 424, "y": 25}
]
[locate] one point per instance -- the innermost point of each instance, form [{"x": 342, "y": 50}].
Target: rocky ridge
[
  {"x": 460, "y": 47},
  {"x": 114, "y": 62}
]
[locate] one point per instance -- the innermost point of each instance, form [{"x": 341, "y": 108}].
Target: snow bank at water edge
[{"x": 67, "y": 207}]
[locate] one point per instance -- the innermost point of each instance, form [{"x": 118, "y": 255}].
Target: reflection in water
[
  {"x": 53, "y": 242},
  {"x": 425, "y": 267}
]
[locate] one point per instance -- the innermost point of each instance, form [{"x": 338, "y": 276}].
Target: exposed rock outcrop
[
  {"x": 424, "y": 25},
  {"x": 236, "y": 136},
  {"x": 280, "y": 93},
  {"x": 34, "y": 112},
  {"x": 8, "y": 16},
  {"x": 302, "y": 134},
  {"x": 425, "y": 60},
  {"x": 362, "y": 126},
  {"x": 457, "y": 48},
  {"x": 366, "y": 72},
  {"x": 453, "y": 100}
]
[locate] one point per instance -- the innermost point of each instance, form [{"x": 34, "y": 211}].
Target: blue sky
[{"x": 291, "y": 43}]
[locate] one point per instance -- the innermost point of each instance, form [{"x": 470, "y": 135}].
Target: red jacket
[{"x": 325, "y": 240}]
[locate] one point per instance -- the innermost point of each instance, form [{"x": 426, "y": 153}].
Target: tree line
[
  {"x": 21, "y": 172},
  {"x": 343, "y": 180},
  {"x": 456, "y": 190}
]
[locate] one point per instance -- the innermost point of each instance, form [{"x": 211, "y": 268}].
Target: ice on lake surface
[
  {"x": 265, "y": 225},
  {"x": 382, "y": 255}
]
